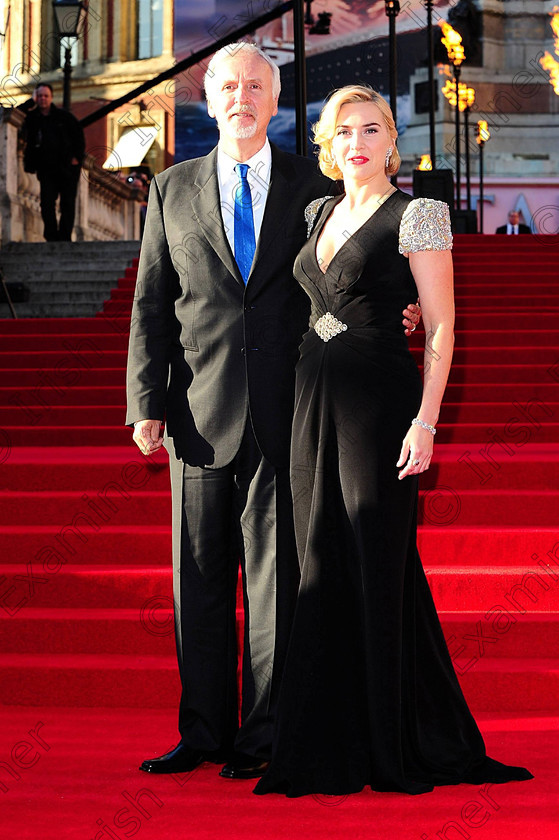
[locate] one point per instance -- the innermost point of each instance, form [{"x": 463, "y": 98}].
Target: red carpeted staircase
[{"x": 85, "y": 582}]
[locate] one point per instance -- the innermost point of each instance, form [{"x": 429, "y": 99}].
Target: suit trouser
[
  {"x": 241, "y": 511},
  {"x": 63, "y": 183}
]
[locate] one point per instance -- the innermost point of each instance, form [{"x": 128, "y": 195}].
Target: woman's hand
[
  {"x": 412, "y": 317},
  {"x": 416, "y": 447}
]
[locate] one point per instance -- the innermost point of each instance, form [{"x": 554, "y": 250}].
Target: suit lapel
[
  {"x": 207, "y": 210},
  {"x": 279, "y": 196}
]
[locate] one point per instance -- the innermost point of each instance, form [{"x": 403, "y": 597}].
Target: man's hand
[
  {"x": 147, "y": 435},
  {"x": 412, "y": 317}
]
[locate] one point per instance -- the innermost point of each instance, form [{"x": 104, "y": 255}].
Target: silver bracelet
[{"x": 417, "y": 422}]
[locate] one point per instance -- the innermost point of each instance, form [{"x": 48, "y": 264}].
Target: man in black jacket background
[
  {"x": 54, "y": 150},
  {"x": 514, "y": 225}
]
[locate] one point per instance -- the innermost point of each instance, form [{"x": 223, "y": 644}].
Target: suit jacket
[
  {"x": 521, "y": 229},
  {"x": 206, "y": 352},
  {"x": 64, "y": 140}
]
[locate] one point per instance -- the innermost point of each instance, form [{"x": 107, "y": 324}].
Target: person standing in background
[
  {"x": 513, "y": 226},
  {"x": 54, "y": 150}
]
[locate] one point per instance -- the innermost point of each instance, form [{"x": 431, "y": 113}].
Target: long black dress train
[{"x": 369, "y": 695}]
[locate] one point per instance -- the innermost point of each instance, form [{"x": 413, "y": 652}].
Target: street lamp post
[
  {"x": 453, "y": 43},
  {"x": 431, "y": 79},
  {"x": 466, "y": 101},
  {"x": 392, "y": 9},
  {"x": 300, "y": 77},
  {"x": 482, "y": 136},
  {"x": 69, "y": 16}
]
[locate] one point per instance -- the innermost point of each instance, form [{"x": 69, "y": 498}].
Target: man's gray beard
[
  {"x": 239, "y": 132},
  {"x": 244, "y": 132}
]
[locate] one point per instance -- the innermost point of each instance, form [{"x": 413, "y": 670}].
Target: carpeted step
[
  {"x": 508, "y": 685},
  {"x": 523, "y": 392},
  {"x": 83, "y": 468},
  {"x": 496, "y": 302},
  {"x": 86, "y": 354},
  {"x": 119, "y": 502},
  {"x": 149, "y": 631},
  {"x": 84, "y": 587},
  {"x": 48, "y": 393},
  {"x": 476, "y": 243},
  {"x": 66, "y": 326},
  {"x": 544, "y": 320},
  {"x": 46, "y": 547},
  {"x": 527, "y": 588},
  {"x": 445, "y": 543},
  {"x": 494, "y": 258},
  {"x": 465, "y": 281},
  {"x": 60, "y": 342},
  {"x": 472, "y": 373},
  {"x": 500, "y": 308},
  {"x": 489, "y": 508},
  {"x": 518, "y": 434},
  {"x": 514, "y": 590},
  {"x": 80, "y": 353},
  {"x": 442, "y": 541},
  {"x": 65, "y": 378},
  {"x": 104, "y": 415},
  {"x": 45, "y": 392},
  {"x": 102, "y": 324},
  {"x": 494, "y": 465},
  {"x": 89, "y": 680},
  {"x": 69, "y": 435},
  {"x": 500, "y": 685}
]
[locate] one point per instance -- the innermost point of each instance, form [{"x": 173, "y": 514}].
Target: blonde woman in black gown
[{"x": 369, "y": 695}]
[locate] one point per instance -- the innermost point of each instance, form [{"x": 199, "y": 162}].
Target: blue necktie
[{"x": 245, "y": 243}]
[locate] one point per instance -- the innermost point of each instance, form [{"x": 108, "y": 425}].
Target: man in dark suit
[
  {"x": 513, "y": 227},
  {"x": 54, "y": 149},
  {"x": 216, "y": 323}
]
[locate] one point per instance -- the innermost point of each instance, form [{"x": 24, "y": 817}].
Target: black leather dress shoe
[
  {"x": 244, "y": 766},
  {"x": 180, "y": 760}
]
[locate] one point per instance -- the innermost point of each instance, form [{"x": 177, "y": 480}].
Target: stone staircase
[{"x": 64, "y": 279}]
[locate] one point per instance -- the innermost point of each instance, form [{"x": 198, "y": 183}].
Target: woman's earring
[{"x": 387, "y": 159}]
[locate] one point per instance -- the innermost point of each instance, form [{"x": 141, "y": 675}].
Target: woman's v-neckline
[{"x": 322, "y": 223}]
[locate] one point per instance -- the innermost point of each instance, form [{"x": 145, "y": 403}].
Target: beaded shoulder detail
[
  {"x": 425, "y": 226},
  {"x": 311, "y": 211}
]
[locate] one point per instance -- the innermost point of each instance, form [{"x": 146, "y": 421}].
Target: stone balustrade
[{"x": 107, "y": 209}]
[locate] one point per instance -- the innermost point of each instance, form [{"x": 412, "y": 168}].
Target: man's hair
[
  {"x": 231, "y": 50},
  {"x": 44, "y": 84}
]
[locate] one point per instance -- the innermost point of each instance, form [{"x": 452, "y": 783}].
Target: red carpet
[
  {"x": 85, "y": 584},
  {"x": 85, "y": 773}
]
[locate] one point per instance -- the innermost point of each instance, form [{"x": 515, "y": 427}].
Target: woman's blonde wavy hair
[{"x": 324, "y": 130}]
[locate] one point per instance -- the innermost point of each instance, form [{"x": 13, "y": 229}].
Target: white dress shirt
[
  {"x": 512, "y": 229},
  {"x": 258, "y": 175}
]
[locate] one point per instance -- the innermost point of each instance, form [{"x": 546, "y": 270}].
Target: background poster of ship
[{"x": 349, "y": 44}]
